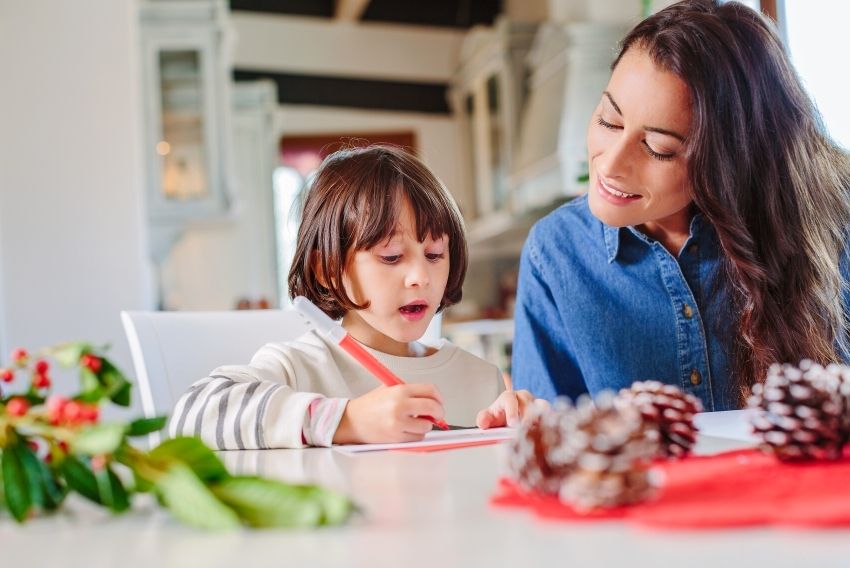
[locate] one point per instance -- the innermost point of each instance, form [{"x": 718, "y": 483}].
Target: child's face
[{"x": 403, "y": 280}]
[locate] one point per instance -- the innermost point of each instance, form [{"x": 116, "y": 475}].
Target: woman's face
[{"x": 636, "y": 143}]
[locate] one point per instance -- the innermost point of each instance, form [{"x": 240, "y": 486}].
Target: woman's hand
[
  {"x": 507, "y": 410},
  {"x": 390, "y": 415}
]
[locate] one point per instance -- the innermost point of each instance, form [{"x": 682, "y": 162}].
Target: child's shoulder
[
  {"x": 467, "y": 361},
  {"x": 308, "y": 346}
]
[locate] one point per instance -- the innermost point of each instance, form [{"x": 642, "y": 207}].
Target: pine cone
[
  {"x": 612, "y": 448},
  {"x": 534, "y": 459},
  {"x": 667, "y": 408},
  {"x": 799, "y": 415},
  {"x": 836, "y": 379}
]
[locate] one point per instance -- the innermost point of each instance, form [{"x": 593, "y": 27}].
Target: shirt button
[
  {"x": 689, "y": 313},
  {"x": 696, "y": 378}
]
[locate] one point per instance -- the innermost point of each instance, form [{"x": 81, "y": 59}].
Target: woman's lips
[{"x": 613, "y": 195}]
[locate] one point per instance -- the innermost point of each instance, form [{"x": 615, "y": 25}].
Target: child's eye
[
  {"x": 391, "y": 259},
  {"x": 434, "y": 257}
]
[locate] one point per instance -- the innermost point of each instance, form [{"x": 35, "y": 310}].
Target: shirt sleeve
[
  {"x": 246, "y": 407},
  {"x": 542, "y": 361}
]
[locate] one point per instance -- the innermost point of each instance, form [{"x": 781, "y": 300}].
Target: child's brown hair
[{"x": 354, "y": 203}]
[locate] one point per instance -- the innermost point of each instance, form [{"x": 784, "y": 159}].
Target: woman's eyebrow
[{"x": 647, "y": 128}]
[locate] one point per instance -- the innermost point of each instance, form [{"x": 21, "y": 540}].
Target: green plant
[{"x": 51, "y": 446}]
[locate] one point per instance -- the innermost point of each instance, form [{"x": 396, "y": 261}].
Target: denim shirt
[{"x": 600, "y": 307}]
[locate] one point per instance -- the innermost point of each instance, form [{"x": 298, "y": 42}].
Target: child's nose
[{"x": 417, "y": 275}]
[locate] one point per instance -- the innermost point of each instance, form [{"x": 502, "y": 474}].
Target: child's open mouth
[{"x": 414, "y": 310}]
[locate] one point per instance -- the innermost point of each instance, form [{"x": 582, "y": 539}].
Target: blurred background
[{"x": 153, "y": 151}]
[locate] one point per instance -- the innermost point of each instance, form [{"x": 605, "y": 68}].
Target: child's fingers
[
  {"x": 423, "y": 407},
  {"x": 417, "y": 426},
  {"x": 510, "y": 405},
  {"x": 489, "y": 418},
  {"x": 420, "y": 391}
]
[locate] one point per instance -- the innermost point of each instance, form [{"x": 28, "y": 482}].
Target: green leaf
[
  {"x": 54, "y": 494},
  {"x": 91, "y": 390},
  {"x": 192, "y": 502},
  {"x": 15, "y": 483},
  {"x": 268, "y": 503},
  {"x": 32, "y": 469},
  {"x": 80, "y": 478},
  {"x": 68, "y": 354},
  {"x": 113, "y": 380},
  {"x": 192, "y": 451},
  {"x": 99, "y": 439},
  {"x": 144, "y": 426},
  {"x": 111, "y": 490}
]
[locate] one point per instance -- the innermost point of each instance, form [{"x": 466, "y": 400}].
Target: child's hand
[
  {"x": 506, "y": 410},
  {"x": 390, "y": 414}
]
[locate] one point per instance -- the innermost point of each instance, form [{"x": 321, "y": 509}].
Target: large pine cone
[
  {"x": 836, "y": 379},
  {"x": 611, "y": 448},
  {"x": 669, "y": 409},
  {"x": 534, "y": 456},
  {"x": 799, "y": 414}
]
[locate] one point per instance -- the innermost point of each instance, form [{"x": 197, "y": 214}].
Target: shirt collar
[{"x": 612, "y": 236}]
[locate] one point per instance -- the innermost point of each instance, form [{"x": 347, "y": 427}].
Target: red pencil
[{"x": 318, "y": 319}]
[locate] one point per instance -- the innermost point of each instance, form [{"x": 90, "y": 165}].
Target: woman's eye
[
  {"x": 658, "y": 155},
  {"x": 391, "y": 259},
  {"x": 434, "y": 257},
  {"x": 605, "y": 124}
]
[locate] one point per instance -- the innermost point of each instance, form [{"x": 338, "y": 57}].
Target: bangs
[{"x": 373, "y": 217}]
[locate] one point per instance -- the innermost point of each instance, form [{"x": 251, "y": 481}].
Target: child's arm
[{"x": 252, "y": 406}]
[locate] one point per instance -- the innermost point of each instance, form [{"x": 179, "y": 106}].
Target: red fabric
[{"x": 742, "y": 488}]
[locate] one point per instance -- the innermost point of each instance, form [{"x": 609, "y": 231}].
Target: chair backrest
[{"x": 172, "y": 350}]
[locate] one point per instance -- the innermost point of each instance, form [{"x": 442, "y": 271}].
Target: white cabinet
[
  {"x": 486, "y": 94},
  {"x": 185, "y": 82}
]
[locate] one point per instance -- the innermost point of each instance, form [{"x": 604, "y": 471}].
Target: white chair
[{"x": 172, "y": 350}]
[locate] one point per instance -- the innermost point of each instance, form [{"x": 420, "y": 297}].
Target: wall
[{"x": 71, "y": 219}]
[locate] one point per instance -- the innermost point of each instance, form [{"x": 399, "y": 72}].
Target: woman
[{"x": 709, "y": 244}]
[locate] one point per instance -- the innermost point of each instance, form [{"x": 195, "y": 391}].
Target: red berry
[
  {"x": 41, "y": 367},
  {"x": 92, "y": 362},
  {"x": 19, "y": 356},
  {"x": 7, "y": 375},
  {"x": 41, "y": 381},
  {"x": 33, "y": 445},
  {"x": 17, "y": 406},
  {"x": 90, "y": 413},
  {"x": 73, "y": 412}
]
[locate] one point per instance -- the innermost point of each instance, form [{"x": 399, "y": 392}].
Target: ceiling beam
[{"x": 350, "y": 10}]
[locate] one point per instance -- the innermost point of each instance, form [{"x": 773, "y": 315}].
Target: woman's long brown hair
[{"x": 765, "y": 173}]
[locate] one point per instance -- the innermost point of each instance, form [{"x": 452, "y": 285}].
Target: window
[{"x": 815, "y": 32}]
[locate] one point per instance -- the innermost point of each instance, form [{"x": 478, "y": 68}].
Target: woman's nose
[{"x": 615, "y": 161}]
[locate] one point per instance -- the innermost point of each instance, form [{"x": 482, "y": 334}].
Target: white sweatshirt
[{"x": 293, "y": 388}]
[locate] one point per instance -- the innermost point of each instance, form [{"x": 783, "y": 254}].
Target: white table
[{"x": 420, "y": 510}]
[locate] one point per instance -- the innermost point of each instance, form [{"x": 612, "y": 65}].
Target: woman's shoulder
[{"x": 569, "y": 230}]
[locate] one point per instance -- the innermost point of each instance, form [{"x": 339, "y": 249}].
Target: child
[{"x": 381, "y": 246}]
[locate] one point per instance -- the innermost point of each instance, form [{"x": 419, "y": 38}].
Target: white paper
[
  {"x": 436, "y": 438},
  {"x": 728, "y": 424}
]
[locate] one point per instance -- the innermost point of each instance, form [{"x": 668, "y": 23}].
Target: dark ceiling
[{"x": 440, "y": 13}]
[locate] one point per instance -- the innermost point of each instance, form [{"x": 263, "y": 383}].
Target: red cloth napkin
[{"x": 741, "y": 488}]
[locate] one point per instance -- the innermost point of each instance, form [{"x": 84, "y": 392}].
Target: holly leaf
[
  {"x": 68, "y": 354},
  {"x": 191, "y": 501},
  {"x": 80, "y": 478},
  {"x": 99, "y": 439},
  {"x": 268, "y": 503},
  {"x": 15, "y": 483},
  {"x": 111, "y": 491},
  {"x": 144, "y": 426},
  {"x": 192, "y": 452}
]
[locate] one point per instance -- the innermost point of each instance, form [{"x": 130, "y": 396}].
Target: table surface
[{"x": 425, "y": 510}]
